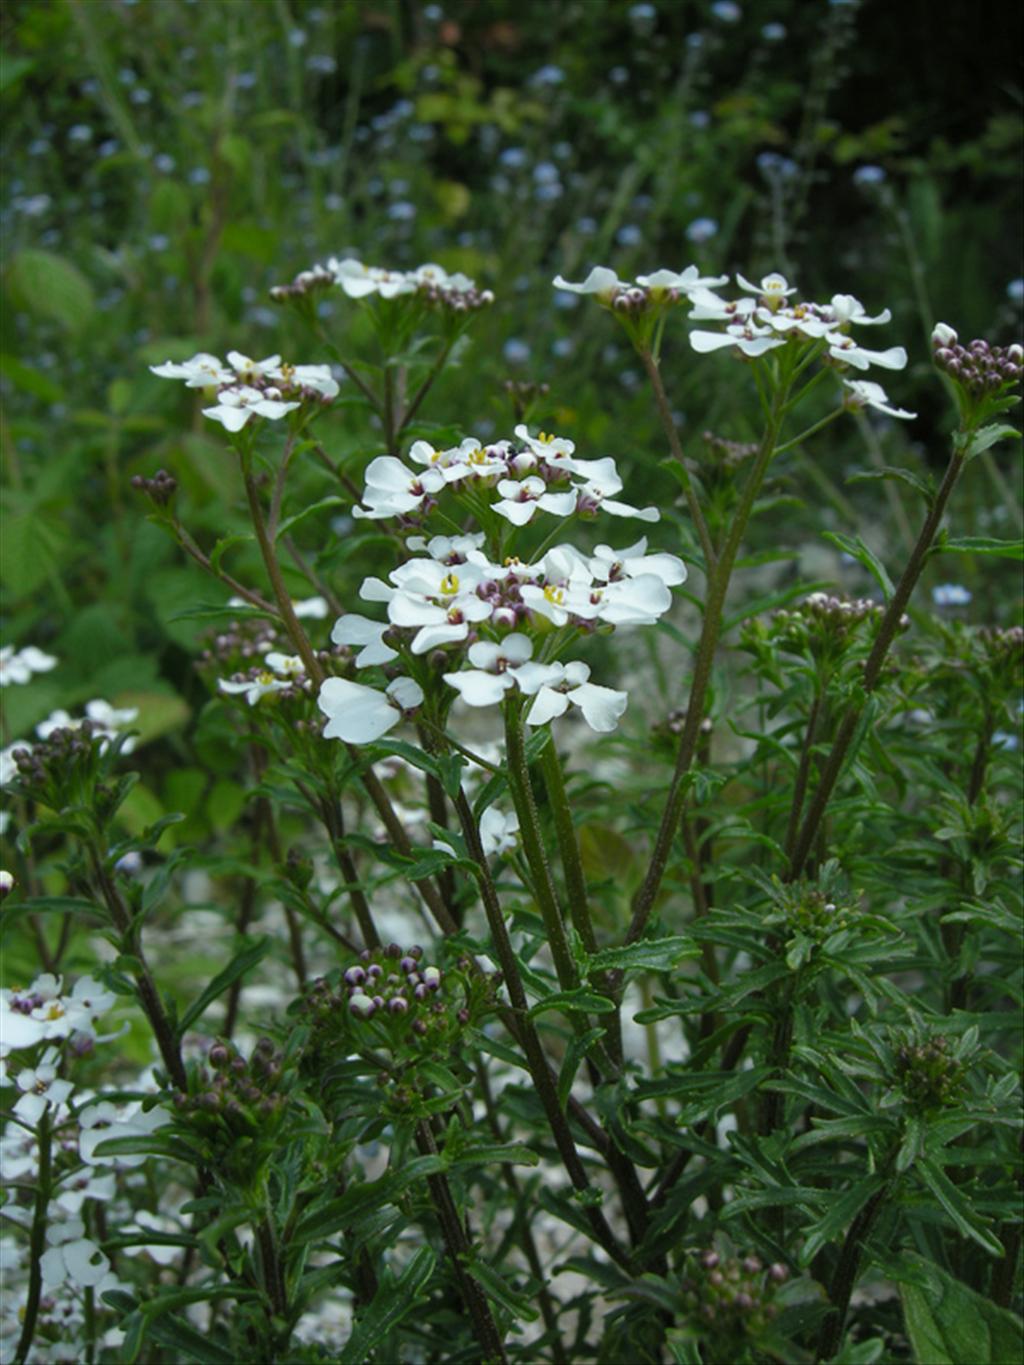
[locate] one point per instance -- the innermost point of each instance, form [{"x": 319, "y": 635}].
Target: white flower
[
  {"x": 353, "y": 629},
  {"x": 943, "y": 335},
  {"x": 772, "y": 289},
  {"x": 19, "y": 667},
  {"x": 8, "y": 767},
  {"x": 847, "y": 311},
  {"x": 392, "y": 490},
  {"x": 746, "y": 337},
  {"x": 315, "y": 377},
  {"x": 201, "y": 372},
  {"x": 236, "y": 406},
  {"x": 31, "y": 1015},
  {"x": 78, "y": 1186},
  {"x": 521, "y": 498},
  {"x": 866, "y": 394},
  {"x": 846, "y": 350},
  {"x": 498, "y": 831},
  {"x": 442, "y": 600},
  {"x": 159, "y": 1251},
  {"x": 598, "y": 493},
  {"x": 608, "y": 565},
  {"x": 601, "y": 281},
  {"x": 40, "y": 1086},
  {"x": 554, "y": 686},
  {"x": 251, "y": 371},
  {"x": 685, "y": 281},
  {"x": 555, "y": 451},
  {"x": 109, "y": 718},
  {"x": 313, "y": 608},
  {"x": 358, "y": 714},
  {"x": 447, "y": 549},
  {"x": 358, "y": 280},
  {"x": 279, "y": 672},
  {"x": 7, "y": 882},
  {"x": 493, "y": 670},
  {"x": 79, "y": 1262},
  {"x": 101, "y": 1121},
  {"x": 87, "y": 1001}
]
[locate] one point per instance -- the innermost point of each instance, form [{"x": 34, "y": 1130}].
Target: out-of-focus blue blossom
[
  {"x": 1003, "y": 739},
  {"x": 547, "y": 194},
  {"x": 773, "y": 166},
  {"x": 402, "y": 212},
  {"x": 727, "y": 10},
  {"x": 701, "y": 230},
  {"x": 562, "y": 347},
  {"x": 191, "y": 99},
  {"x": 80, "y": 133},
  {"x": 298, "y": 37},
  {"x": 586, "y": 226},
  {"x": 700, "y": 118},
  {"x": 951, "y": 595},
  {"x": 199, "y": 176},
  {"x": 695, "y": 40},
  {"x": 773, "y": 33},
  {"x": 515, "y": 352},
  {"x": 545, "y": 173},
  {"x": 1015, "y": 290},
  {"x": 245, "y": 80},
  {"x": 513, "y": 158},
  {"x": 629, "y": 235},
  {"x": 547, "y": 76},
  {"x": 333, "y": 203},
  {"x": 321, "y": 63},
  {"x": 127, "y": 76},
  {"x": 619, "y": 75},
  {"x": 31, "y": 205},
  {"x": 564, "y": 301},
  {"x": 140, "y": 95},
  {"x": 869, "y": 175},
  {"x": 433, "y": 14},
  {"x": 164, "y": 163},
  {"x": 159, "y": 241}
]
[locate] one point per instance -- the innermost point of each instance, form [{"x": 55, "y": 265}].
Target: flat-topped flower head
[
  {"x": 279, "y": 672},
  {"x": 252, "y": 372},
  {"x": 358, "y": 280},
  {"x": 684, "y": 281},
  {"x": 745, "y": 337},
  {"x": 359, "y": 715}
]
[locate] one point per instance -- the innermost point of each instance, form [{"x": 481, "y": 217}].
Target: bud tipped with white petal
[{"x": 943, "y": 335}]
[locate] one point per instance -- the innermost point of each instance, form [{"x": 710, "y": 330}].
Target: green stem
[
  {"x": 845, "y": 1276},
  {"x": 37, "y": 1240},
  {"x": 485, "y": 1329},
  {"x": 718, "y": 587},
  {"x": 650, "y": 364},
  {"x": 803, "y": 773},
  {"x": 533, "y": 844},
  {"x": 873, "y": 667},
  {"x": 526, "y": 1034}
]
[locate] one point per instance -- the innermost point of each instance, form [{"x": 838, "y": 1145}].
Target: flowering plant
[{"x": 696, "y": 1009}]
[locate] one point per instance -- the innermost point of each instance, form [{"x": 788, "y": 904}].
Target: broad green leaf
[
  {"x": 988, "y": 436},
  {"x": 948, "y": 1323},
  {"x": 237, "y": 967},
  {"x": 44, "y": 283}
]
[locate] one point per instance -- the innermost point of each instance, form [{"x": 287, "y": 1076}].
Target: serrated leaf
[
  {"x": 499, "y": 1288},
  {"x": 864, "y": 556},
  {"x": 967, "y": 1220},
  {"x": 917, "y": 482},
  {"x": 652, "y": 954},
  {"x": 576, "y": 1049},
  {"x": 394, "y": 1300},
  {"x": 982, "y": 545},
  {"x": 580, "y": 1000},
  {"x": 840, "y": 1214}
]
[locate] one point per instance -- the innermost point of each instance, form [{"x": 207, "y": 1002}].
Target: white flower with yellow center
[
  {"x": 236, "y": 406},
  {"x": 392, "y": 490},
  {"x": 359, "y": 715}
]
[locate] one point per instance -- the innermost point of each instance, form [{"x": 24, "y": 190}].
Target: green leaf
[
  {"x": 237, "y": 967},
  {"x": 226, "y": 543},
  {"x": 499, "y": 1288},
  {"x": 44, "y": 283},
  {"x": 652, "y": 954},
  {"x": 180, "y": 1336},
  {"x": 840, "y": 1214},
  {"x": 394, "y": 1300},
  {"x": 988, "y": 436},
  {"x": 576, "y": 1049},
  {"x": 982, "y": 545},
  {"x": 290, "y": 522},
  {"x": 864, "y": 556},
  {"x": 580, "y": 1000},
  {"x": 919, "y": 483},
  {"x": 336, "y": 1214},
  {"x": 29, "y": 380},
  {"x": 967, "y": 1220},
  {"x": 948, "y": 1323}
]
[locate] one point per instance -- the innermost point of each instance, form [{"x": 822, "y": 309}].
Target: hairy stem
[{"x": 650, "y": 364}]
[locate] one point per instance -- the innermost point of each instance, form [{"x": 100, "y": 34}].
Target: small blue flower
[{"x": 951, "y": 595}]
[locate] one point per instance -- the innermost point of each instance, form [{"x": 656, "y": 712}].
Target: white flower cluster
[
  {"x": 764, "y": 317},
  {"x": 18, "y": 666},
  {"x": 530, "y": 475},
  {"x": 249, "y": 388},
  {"x": 41, "y": 1013},
  {"x": 279, "y": 671},
  {"x": 358, "y": 281},
  {"x": 106, "y": 722}
]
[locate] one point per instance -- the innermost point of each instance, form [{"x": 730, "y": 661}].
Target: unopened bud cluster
[
  {"x": 929, "y": 1075},
  {"x": 392, "y": 990},
  {"x": 460, "y": 300},
  {"x": 57, "y": 767},
  {"x": 1003, "y": 644},
  {"x": 726, "y": 454},
  {"x": 982, "y": 369},
  {"x": 826, "y": 623},
  {"x": 161, "y": 488},
  {"x": 233, "y": 1097},
  {"x": 316, "y": 280},
  {"x": 809, "y": 911},
  {"x": 729, "y": 1300},
  {"x": 239, "y": 644},
  {"x": 675, "y": 723}
]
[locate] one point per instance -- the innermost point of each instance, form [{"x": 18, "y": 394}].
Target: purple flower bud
[
  {"x": 361, "y": 1006},
  {"x": 355, "y": 976},
  {"x": 432, "y": 977},
  {"x": 422, "y": 992},
  {"x": 373, "y": 971},
  {"x": 408, "y": 964},
  {"x": 397, "y": 1005}
]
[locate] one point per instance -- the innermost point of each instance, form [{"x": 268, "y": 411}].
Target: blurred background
[{"x": 167, "y": 161}]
